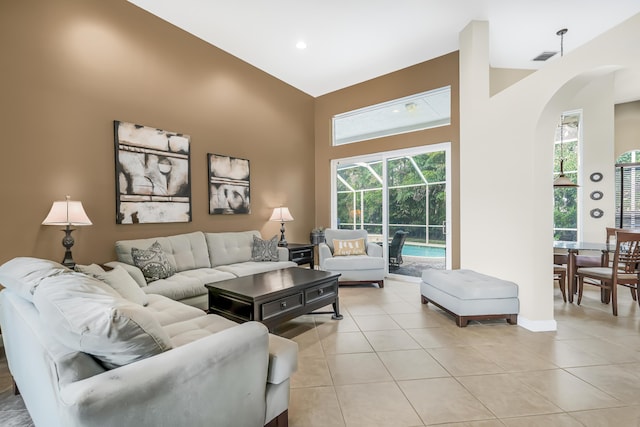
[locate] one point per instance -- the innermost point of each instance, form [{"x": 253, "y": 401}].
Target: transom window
[{"x": 416, "y": 112}]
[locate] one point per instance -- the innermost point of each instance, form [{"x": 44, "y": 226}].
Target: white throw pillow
[
  {"x": 23, "y": 274},
  {"x": 86, "y": 315},
  {"x": 91, "y": 270},
  {"x": 120, "y": 280}
]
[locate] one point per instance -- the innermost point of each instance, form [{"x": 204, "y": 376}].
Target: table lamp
[
  {"x": 67, "y": 212},
  {"x": 281, "y": 215}
]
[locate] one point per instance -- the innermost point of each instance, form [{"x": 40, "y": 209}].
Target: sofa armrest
[
  {"x": 133, "y": 271},
  {"x": 283, "y": 359},
  {"x": 217, "y": 380},
  {"x": 373, "y": 249},
  {"x": 324, "y": 253}
]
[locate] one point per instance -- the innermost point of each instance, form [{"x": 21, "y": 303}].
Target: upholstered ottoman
[{"x": 469, "y": 295}]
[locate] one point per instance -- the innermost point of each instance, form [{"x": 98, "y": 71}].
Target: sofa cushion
[
  {"x": 119, "y": 279},
  {"x": 184, "y": 251},
  {"x": 176, "y": 287},
  {"x": 348, "y": 247},
  {"x": 124, "y": 284},
  {"x": 87, "y": 315},
  {"x": 264, "y": 250},
  {"x": 182, "y": 333},
  {"x": 153, "y": 262},
  {"x": 167, "y": 311},
  {"x": 24, "y": 274},
  {"x": 353, "y": 262},
  {"x": 230, "y": 247},
  {"x": 248, "y": 268},
  {"x": 186, "y": 284}
]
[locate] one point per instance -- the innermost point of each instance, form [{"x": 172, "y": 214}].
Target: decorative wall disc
[
  {"x": 596, "y": 177},
  {"x": 596, "y": 213},
  {"x": 596, "y": 195}
]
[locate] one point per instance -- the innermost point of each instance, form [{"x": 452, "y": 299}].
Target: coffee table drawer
[
  {"x": 282, "y": 305},
  {"x": 326, "y": 290}
]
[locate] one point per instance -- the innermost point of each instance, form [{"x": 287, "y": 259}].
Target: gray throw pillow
[
  {"x": 265, "y": 250},
  {"x": 153, "y": 262}
]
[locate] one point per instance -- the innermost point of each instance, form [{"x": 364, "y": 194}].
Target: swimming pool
[{"x": 425, "y": 251}]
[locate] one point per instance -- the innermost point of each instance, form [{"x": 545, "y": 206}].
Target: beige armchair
[{"x": 349, "y": 253}]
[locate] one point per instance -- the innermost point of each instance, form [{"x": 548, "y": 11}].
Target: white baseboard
[{"x": 538, "y": 325}]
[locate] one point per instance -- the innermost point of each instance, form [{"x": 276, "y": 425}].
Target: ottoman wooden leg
[{"x": 461, "y": 321}]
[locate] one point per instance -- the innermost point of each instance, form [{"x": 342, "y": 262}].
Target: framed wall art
[
  {"x": 153, "y": 176},
  {"x": 229, "y": 185}
]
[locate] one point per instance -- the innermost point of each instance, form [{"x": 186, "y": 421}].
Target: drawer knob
[
  {"x": 283, "y": 305},
  {"x": 320, "y": 291}
]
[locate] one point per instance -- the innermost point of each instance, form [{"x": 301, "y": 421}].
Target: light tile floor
[{"x": 394, "y": 362}]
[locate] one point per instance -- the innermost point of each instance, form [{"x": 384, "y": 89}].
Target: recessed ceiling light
[{"x": 301, "y": 45}]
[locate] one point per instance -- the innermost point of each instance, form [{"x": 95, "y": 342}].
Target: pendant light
[{"x": 562, "y": 180}]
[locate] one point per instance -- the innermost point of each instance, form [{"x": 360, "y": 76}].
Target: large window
[
  {"x": 565, "y": 212},
  {"x": 397, "y": 190},
  {"x": 416, "y": 112},
  {"x": 628, "y": 190},
  {"x": 416, "y": 187}
]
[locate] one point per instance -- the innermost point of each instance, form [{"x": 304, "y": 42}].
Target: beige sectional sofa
[
  {"x": 83, "y": 354},
  {"x": 199, "y": 258}
]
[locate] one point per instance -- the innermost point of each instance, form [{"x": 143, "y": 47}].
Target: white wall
[
  {"x": 597, "y": 155},
  {"x": 506, "y": 182}
]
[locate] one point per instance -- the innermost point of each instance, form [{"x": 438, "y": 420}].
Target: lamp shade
[
  {"x": 281, "y": 214},
  {"x": 67, "y": 212},
  {"x": 563, "y": 181}
]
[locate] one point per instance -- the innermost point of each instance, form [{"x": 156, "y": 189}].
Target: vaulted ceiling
[{"x": 351, "y": 41}]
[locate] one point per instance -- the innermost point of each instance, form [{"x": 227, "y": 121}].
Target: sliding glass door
[{"x": 402, "y": 199}]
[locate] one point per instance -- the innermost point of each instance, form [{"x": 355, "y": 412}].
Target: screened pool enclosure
[{"x": 416, "y": 201}]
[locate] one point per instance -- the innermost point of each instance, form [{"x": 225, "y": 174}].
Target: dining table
[{"x": 573, "y": 249}]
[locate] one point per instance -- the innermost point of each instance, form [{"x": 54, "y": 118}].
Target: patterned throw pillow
[
  {"x": 348, "y": 247},
  {"x": 153, "y": 262},
  {"x": 265, "y": 250}
]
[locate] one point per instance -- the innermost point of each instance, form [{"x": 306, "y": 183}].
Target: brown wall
[
  {"x": 627, "y": 127},
  {"x": 428, "y": 75},
  {"x": 71, "y": 67}
]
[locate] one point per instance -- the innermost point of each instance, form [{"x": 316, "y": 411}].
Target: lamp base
[
  {"x": 67, "y": 242},
  {"x": 283, "y": 241},
  {"x": 68, "y": 260}
]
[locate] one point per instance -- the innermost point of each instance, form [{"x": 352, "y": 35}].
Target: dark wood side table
[{"x": 302, "y": 253}]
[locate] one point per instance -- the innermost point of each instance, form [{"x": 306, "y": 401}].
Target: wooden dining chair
[
  {"x": 560, "y": 273},
  {"x": 606, "y": 262},
  {"x": 623, "y": 270}
]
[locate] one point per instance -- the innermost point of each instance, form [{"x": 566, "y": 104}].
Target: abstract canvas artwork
[
  {"x": 229, "y": 185},
  {"x": 153, "y": 182}
]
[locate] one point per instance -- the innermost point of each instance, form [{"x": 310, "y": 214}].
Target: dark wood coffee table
[{"x": 275, "y": 296}]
